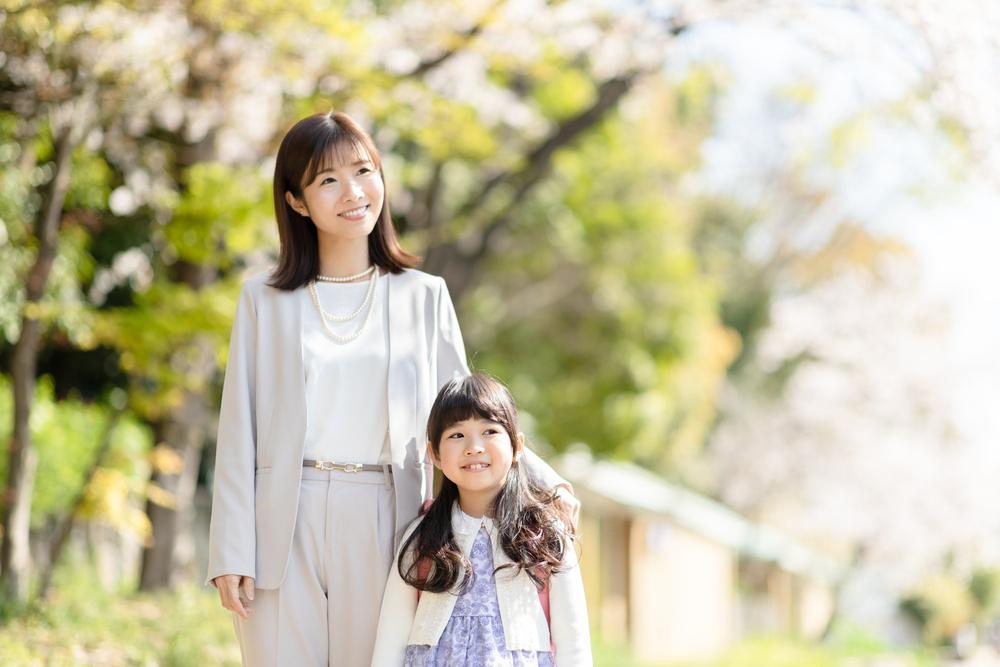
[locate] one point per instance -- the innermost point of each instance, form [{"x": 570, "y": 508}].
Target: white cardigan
[{"x": 403, "y": 621}]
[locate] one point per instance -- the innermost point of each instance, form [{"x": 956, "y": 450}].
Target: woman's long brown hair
[
  {"x": 313, "y": 144},
  {"x": 531, "y": 531}
]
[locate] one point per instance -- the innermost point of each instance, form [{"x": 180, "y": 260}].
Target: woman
[{"x": 334, "y": 361}]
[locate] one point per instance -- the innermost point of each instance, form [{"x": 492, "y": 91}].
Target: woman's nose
[{"x": 353, "y": 190}]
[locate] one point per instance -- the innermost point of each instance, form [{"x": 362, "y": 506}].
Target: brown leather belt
[{"x": 346, "y": 467}]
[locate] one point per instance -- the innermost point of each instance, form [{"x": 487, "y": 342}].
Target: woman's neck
[{"x": 342, "y": 257}]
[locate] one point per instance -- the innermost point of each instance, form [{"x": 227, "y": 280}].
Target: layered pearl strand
[
  {"x": 345, "y": 279},
  {"x": 326, "y": 317}
]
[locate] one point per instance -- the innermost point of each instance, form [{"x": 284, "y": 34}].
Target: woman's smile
[{"x": 356, "y": 213}]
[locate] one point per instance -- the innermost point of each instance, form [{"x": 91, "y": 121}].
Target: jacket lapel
[{"x": 401, "y": 384}]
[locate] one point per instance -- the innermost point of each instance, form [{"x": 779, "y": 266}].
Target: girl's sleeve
[
  {"x": 399, "y": 608},
  {"x": 231, "y": 535},
  {"x": 568, "y": 610}
]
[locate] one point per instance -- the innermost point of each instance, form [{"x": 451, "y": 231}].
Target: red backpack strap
[
  {"x": 423, "y": 569},
  {"x": 543, "y": 599}
]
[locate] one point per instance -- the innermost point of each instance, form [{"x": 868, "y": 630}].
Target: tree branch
[
  {"x": 456, "y": 259},
  {"x": 458, "y": 42}
]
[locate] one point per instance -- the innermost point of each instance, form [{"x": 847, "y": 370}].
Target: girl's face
[
  {"x": 476, "y": 455},
  {"x": 345, "y": 198}
]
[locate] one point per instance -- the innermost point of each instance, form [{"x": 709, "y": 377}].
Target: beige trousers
[{"x": 326, "y": 610}]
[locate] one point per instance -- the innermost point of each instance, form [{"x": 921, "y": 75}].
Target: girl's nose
[{"x": 474, "y": 446}]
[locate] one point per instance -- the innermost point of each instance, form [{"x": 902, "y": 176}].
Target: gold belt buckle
[{"x": 343, "y": 467}]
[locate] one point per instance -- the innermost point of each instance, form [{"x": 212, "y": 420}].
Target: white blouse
[{"x": 347, "y": 412}]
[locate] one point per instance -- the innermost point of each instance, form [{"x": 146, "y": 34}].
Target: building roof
[{"x": 639, "y": 490}]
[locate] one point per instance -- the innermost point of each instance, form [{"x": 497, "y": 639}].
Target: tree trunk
[
  {"x": 15, "y": 557},
  {"x": 181, "y": 435}
]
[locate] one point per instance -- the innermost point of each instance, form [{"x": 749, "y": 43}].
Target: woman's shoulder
[{"x": 420, "y": 278}]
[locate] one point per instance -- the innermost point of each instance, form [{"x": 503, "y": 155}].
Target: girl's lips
[{"x": 476, "y": 467}]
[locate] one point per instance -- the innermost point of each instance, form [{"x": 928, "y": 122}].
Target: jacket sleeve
[
  {"x": 399, "y": 608},
  {"x": 542, "y": 471},
  {"x": 568, "y": 611},
  {"x": 231, "y": 535},
  {"x": 451, "y": 360},
  {"x": 451, "y": 363}
]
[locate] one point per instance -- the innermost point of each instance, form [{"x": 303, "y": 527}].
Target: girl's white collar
[{"x": 464, "y": 524}]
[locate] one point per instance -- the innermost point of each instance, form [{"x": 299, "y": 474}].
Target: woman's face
[{"x": 345, "y": 198}]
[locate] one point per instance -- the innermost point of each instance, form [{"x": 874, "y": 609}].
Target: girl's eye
[
  {"x": 364, "y": 170},
  {"x": 455, "y": 435},
  {"x": 328, "y": 179},
  {"x": 492, "y": 430}
]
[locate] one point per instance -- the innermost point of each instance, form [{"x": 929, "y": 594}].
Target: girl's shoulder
[{"x": 410, "y": 529}]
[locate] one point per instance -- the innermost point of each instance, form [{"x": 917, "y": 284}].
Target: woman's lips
[{"x": 356, "y": 213}]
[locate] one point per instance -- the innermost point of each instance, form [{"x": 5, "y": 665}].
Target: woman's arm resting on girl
[
  {"x": 451, "y": 363},
  {"x": 568, "y": 610}
]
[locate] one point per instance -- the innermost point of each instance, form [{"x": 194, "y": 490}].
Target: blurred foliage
[
  {"x": 850, "y": 650},
  {"x": 86, "y": 625},
  {"x": 944, "y": 603},
  {"x": 222, "y": 214},
  {"x": 66, "y": 435},
  {"x": 608, "y": 329},
  {"x": 64, "y": 307}
]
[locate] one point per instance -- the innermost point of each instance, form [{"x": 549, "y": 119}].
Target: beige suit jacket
[{"x": 259, "y": 450}]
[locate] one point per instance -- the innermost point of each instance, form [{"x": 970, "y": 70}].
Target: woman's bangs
[{"x": 333, "y": 150}]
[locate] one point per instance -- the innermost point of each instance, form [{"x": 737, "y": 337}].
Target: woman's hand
[
  {"x": 568, "y": 504},
  {"x": 236, "y": 593}
]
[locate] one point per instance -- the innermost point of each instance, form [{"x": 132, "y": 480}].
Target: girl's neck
[
  {"x": 476, "y": 505},
  {"x": 342, "y": 257}
]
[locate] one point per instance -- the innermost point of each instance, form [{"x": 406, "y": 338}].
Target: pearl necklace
[
  {"x": 325, "y": 317},
  {"x": 344, "y": 279}
]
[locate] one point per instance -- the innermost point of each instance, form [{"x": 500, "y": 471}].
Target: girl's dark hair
[
  {"x": 313, "y": 144},
  {"x": 531, "y": 530}
]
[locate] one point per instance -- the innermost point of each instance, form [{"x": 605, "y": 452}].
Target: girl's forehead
[{"x": 474, "y": 419}]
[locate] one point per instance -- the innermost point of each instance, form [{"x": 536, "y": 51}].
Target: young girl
[{"x": 475, "y": 573}]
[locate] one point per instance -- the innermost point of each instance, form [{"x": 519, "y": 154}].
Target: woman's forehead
[{"x": 343, "y": 153}]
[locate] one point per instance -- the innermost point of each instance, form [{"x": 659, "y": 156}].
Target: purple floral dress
[{"x": 474, "y": 634}]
